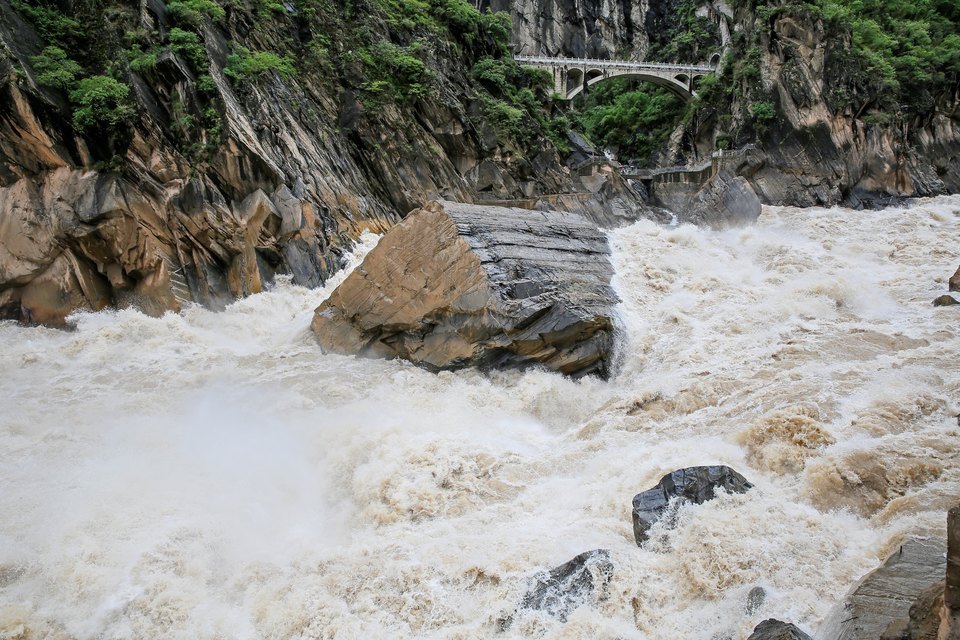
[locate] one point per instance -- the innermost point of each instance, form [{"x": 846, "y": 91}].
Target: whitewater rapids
[{"x": 213, "y": 475}]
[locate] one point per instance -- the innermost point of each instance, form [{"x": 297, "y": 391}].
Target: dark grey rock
[
  {"x": 693, "y": 484},
  {"x": 755, "y": 600},
  {"x": 945, "y": 301},
  {"x": 773, "y": 629},
  {"x": 560, "y": 591}
]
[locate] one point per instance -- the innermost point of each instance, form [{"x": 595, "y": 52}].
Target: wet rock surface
[
  {"x": 773, "y": 629},
  {"x": 945, "y": 301},
  {"x": 955, "y": 281},
  {"x": 563, "y": 589},
  {"x": 458, "y": 285},
  {"x": 725, "y": 200},
  {"x": 693, "y": 484},
  {"x": 879, "y": 605}
]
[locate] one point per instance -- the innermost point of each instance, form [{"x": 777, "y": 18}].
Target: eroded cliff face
[
  {"x": 815, "y": 152},
  {"x": 578, "y": 28},
  {"x": 300, "y": 167}
]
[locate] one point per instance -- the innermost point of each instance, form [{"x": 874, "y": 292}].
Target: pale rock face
[
  {"x": 458, "y": 285},
  {"x": 577, "y": 28}
]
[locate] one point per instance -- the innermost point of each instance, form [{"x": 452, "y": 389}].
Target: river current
[{"x": 213, "y": 475}]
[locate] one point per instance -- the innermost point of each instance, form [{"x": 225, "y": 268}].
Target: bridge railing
[
  {"x": 650, "y": 173},
  {"x": 624, "y": 64}
]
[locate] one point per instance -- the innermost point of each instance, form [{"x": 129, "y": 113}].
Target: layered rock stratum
[{"x": 457, "y": 285}]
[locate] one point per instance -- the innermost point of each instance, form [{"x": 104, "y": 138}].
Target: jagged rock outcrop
[
  {"x": 725, "y": 200},
  {"x": 560, "y": 591},
  {"x": 879, "y": 605},
  {"x": 457, "y": 285},
  {"x": 954, "y": 283},
  {"x": 576, "y": 28},
  {"x": 692, "y": 484},
  {"x": 819, "y": 152},
  {"x": 773, "y": 629}
]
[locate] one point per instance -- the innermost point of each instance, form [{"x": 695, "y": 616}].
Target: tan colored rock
[
  {"x": 879, "y": 606},
  {"x": 955, "y": 281},
  {"x": 457, "y": 285},
  {"x": 65, "y": 286}
]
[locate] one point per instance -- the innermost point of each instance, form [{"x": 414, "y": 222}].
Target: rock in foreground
[
  {"x": 458, "y": 285},
  {"x": 773, "y": 629},
  {"x": 563, "y": 589},
  {"x": 693, "y": 484},
  {"x": 880, "y": 603}
]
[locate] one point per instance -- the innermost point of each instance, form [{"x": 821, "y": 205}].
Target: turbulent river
[{"x": 213, "y": 475}]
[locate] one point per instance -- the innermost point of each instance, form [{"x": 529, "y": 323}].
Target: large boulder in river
[
  {"x": 693, "y": 484},
  {"x": 458, "y": 285},
  {"x": 879, "y": 605},
  {"x": 954, "y": 282},
  {"x": 773, "y": 629}
]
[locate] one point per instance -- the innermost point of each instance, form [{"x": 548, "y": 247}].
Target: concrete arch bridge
[{"x": 573, "y": 75}]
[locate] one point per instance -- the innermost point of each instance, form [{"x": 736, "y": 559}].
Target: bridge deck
[{"x": 625, "y": 65}]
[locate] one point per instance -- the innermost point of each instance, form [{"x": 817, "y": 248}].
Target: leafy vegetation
[
  {"x": 395, "y": 73},
  {"x": 634, "y": 118},
  {"x": 187, "y": 44},
  {"x": 55, "y": 69},
  {"x": 100, "y": 102},
  {"x": 685, "y": 36},
  {"x": 246, "y": 64},
  {"x": 194, "y": 12},
  {"x": 899, "y": 50}
]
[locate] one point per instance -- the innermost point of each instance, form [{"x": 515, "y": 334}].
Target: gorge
[{"x": 336, "y": 320}]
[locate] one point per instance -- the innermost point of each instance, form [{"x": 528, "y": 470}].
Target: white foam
[{"x": 209, "y": 475}]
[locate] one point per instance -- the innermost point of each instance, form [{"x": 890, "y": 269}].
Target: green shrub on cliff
[
  {"x": 194, "y": 12},
  {"x": 763, "y": 111},
  {"x": 51, "y": 24},
  {"x": 100, "y": 102},
  {"x": 142, "y": 61},
  {"x": 396, "y": 74},
  {"x": 55, "y": 69},
  {"x": 246, "y": 64},
  {"x": 187, "y": 44}
]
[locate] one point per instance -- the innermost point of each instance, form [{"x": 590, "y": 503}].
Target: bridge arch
[
  {"x": 681, "y": 84},
  {"x": 573, "y": 79},
  {"x": 572, "y": 75}
]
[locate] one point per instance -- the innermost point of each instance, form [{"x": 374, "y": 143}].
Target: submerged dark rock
[
  {"x": 945, "y": 301},
  {"x": 693, "y": 484},
  {"x": 560, "y": 591},
  {"x": 755, "y": 600},
  {"x": 773, "y": 629},
  {"x": 457, "y": 285}
]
